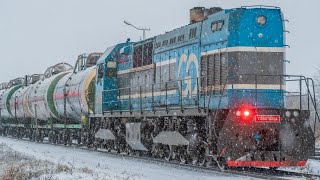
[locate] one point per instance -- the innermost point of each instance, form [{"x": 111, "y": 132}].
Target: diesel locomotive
[{"x": 212, "y": 92}]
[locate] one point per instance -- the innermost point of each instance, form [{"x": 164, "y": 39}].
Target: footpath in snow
[{"x": 27, "y": 160}]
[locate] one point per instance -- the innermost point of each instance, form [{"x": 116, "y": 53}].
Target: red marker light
[{"x": 246, "y": 113}]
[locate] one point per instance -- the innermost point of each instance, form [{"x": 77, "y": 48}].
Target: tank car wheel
[
  {"x": 50, "y": 136},
  {"x": 54, "y": 137},
  {"x": 30, "y": 135},
  {"x": 41, "y": 136},
  {"x": 70, "y": 138},
  {"x": 60, "y": 138},
  {"x": 79, "y": 137},
  {"x": 5, "y": 132},
  {"x": 34, "y": 135},
  {"x": 37, "y": 136}
]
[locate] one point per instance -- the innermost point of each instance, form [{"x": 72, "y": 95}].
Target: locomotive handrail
[
  {"x": 314, "y": 102},
  {"x": 261, "y": 6}
]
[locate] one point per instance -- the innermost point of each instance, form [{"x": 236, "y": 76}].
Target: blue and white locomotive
[
  {"x": 213, "y": 88},
  {"x": 213, "y": 91}
]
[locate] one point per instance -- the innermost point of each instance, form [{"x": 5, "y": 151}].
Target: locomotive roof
[{"x": 105, "y": 54}]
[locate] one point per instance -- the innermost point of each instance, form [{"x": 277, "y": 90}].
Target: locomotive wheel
[
  {"x": 137, "y": 153},
  {"x": 174, "y": 153},
  {"x": 117, "y": 147},
  {"x": 129, "y": 151},
  {"x": 221, "y": 162},
  {"x": 202, "y": 156},
  {"x": 109, "y": 145},
  {"x": 167, "y": 149},
  {"x": 183, "y": 155},
  {"x": 202, "y": 160},
  {"x": 156, "y": 151},
  {"x": 194, "y": 159},
  {"x": 161, "y": 151}
]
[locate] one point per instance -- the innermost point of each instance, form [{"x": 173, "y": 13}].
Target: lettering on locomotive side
[
  {"x": 188, "y": 71},
  {"x": 267, "y": 118}
]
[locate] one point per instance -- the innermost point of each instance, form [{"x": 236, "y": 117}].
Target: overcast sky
[{"x": 35, "y": 34}]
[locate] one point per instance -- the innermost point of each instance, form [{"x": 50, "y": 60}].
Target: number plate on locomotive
[{"x": 267, "y": 118}]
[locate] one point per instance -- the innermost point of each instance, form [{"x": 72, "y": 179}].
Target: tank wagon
[
  {"x": 7, "y": 95},
  {"x": 79, "y": 89},
  {"x": 19, "y": 100},
  {"x": 213, "y": 91}
]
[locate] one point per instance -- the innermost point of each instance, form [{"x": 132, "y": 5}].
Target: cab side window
[{"x": 112, "y": 69}]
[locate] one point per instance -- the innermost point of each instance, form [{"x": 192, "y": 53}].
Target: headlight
[
  {"x": 261, "y": 20},
  {"x": 288, "y": 113},
  {"x": 296, "y": 113},
  {"x": 238, "y": 113}
]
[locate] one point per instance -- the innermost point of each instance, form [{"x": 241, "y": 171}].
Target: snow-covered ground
[{"x": 43, "y": 161}]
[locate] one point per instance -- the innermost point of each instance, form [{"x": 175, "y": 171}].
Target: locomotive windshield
[{"x": 112, "y": 69}]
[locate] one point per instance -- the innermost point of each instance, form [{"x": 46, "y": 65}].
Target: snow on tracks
[{"x": 75, "y": 163}]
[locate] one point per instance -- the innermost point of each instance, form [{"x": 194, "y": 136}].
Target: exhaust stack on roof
[{"x": 198, "y": 14}]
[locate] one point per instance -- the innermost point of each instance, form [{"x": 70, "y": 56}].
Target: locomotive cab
[{"x": 106, "y": 86}]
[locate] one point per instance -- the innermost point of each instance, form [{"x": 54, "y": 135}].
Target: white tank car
[
  {"x": 2, "y": 102},
  {"x": 41, "y": 96},
  {"x": 78, "y": 88},
  {"x": 6, "y": 95},
  {"x": 16, "y": 102},
  {"x": 19, "y": 101}
]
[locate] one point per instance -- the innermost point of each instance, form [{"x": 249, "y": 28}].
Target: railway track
[{"x": 261, "y": 173}]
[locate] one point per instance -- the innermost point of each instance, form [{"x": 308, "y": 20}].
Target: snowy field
[{"x": 29, "y": 160}]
